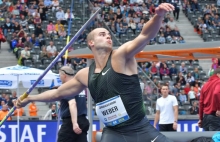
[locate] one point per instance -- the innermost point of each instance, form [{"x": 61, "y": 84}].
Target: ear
[{"x": 91, "y": 43}]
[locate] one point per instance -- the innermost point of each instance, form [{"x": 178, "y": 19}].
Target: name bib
[{"x": 112, "y": 111}]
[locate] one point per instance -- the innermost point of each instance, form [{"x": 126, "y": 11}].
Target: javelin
[{"x": 25, "y": 95}]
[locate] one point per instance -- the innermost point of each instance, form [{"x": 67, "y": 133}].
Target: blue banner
[{"x": 45, "y": 131}]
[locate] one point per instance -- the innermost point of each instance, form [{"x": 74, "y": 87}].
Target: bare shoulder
[
  {"x": 122, "y": 49},
  {"x": 121, "y": 64},
  {"x": 82, "y": 76}
]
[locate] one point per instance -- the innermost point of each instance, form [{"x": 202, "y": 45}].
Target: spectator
[
  {"x": 195, "y": 5},
  {"x": 195, "y": 74},
  {"x": 197, "y": 90},
  {"x": 62, "y": 33},
  {"x": 187, "y": 89},
  {"x": 112, "y": 28},
  {"x": 43, "y": 52},
  {"x": 168, "y": 35},
  {"x": 190, "y": 79},
  {"x": 35, "y": 13},
  {"x": 202, "y": 26},
  {"x": 41, "y": 40},
  {"x": 19, "y": 46},
  {"x": 140, "y": 25},
  {"x": 120, "y": 30},
  {"x": 33, "y": 109},
  {"x": 152, "y": 9},
  {"x": 2, "y": 103},
  {"x": 30, "y": 20},
  {"x": 55, "y": 5},
  {"x": 23, "y": 11},
  {"x": 3, "y": 6},
  {"x": 163, "y": 25},
  {"x": 38, "y": 30},
  {"x": 51, "y": 50},
  {"x": 13, "y": 42},
  {"x": 162, "y": 39},
  {"x": 28, "y": 43},
  {"x": 25, "y": 54},
  {"x": 69, "y": 16},
  {"x": 48, "y": 3},
  {"x": 218, "y": 3},
  {"x": 214, "y": 9},
  {"x": 194, "y": 109},
  {"x": 23, "y": 22},
  {"x": 51, "y": 29},
  {"x": 82, "y": 38},
  {"x": 34, "y": 3},
  {"x": 171, "y": 24},
  {"x": 4, "y": 112},
  {"x": 84, "y": 63},
  {"x": 59, "y": 26},
  {"x": 17, "y": 27},
  {"x": 167, "y": 18},
  {"x": 176, "y": 32},
  {"x": 43, "y": 15},
  {"x": 180, "y": 79},
  {"x": 214, "y": 63},
  {"x": 76, "y": 62},
  {"x": 176, "y": 12},
  {"x": 181, "y": 39},
  {"x": 51, "y": 113},
  {"x": 35, "y": 41},
  {"x": 183, "y": 69},
  {"x": 22, "y": 34},
  {"x": 153, "y": 69},
  {"x": 3, "y": 96},
  {"x": 14, "y": 95},
  {"x": 8, "y": 27},
  {"x": 173, "y": 71},
  {"x": 136, "y": 19},
  {"x": 176, "y": 89},
  {"x": 215, "y": 21},
  {"x": 37, "y": 20},
  {"x": 182, "y": 97},
  {"x": 61, "y": 16},
  {"x": 9, "y": 11},
  {"x": 191, "y": 95},
  {"x": 174, "y": 40},
  {"x": 7, "y": 99},
  {"x": 132, "y": 26},
  {"x": 164, "y": 71},
  {"x": 125, "y": 24}
]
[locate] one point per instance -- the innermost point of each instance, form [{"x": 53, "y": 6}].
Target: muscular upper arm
[
  {"x": 131, "y": 48},
  {"x": 74, "y": 86}
]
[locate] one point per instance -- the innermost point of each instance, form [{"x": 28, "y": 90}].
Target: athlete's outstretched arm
[
  {"x": 68, "y": 89},
  {"x": 148, "y": 32}
]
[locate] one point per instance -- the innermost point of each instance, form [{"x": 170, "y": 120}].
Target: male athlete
[{"x": 114, "y": 85}]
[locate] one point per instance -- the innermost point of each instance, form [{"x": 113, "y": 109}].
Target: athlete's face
[
  {"x": 164, "y": 90},
  {"x": 101, "y": 39}
]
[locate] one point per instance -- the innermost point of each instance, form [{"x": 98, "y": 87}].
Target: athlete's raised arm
[{"x": 149, "y": 31}]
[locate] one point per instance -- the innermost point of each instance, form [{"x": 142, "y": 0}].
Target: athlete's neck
[{"x": 101, "y": 57}]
